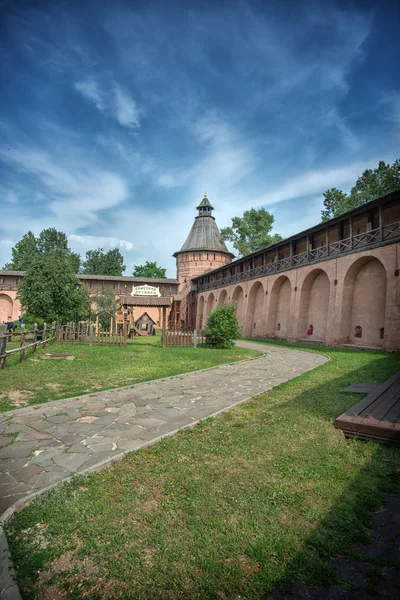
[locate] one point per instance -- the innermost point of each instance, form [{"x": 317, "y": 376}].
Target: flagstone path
[{"x": 46, "y": 444}]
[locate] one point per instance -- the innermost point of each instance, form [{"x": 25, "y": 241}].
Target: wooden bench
[{"x": 377, "y": 416}]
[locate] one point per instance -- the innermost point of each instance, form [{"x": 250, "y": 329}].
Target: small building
[{"x": 145, "y": 324}]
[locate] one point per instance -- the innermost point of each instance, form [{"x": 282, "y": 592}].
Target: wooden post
[
  {"x": 125, "y": 328},
  {"x": 380, "y": 223},
  {"x": 58, "y": 333},
  {"x": 195, "y": 337},
  {"x": 3, "y": 348},
  {"x": 351, "y": 233},
  {"x": 164, "y": 326},
  {"x": 327, "y": 241},
  {"x": 34, "y": 336},
  {"x": 111, "y": 330},
  {"x": 44, "y": 334},
  {"x": 22, "y": 348}
]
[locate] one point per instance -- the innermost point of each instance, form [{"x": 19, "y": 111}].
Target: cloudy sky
[{"x": 117, "y": 116}]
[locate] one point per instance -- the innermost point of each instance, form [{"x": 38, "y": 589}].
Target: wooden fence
[
  {"x": 188, "y": 338},
  {"x": 17, "y": 342},
  {"x": 83, "y": 333}
]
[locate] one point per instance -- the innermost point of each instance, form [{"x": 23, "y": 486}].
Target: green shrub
[{"x": 222, "y": 326}]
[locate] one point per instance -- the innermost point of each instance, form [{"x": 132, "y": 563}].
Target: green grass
[
  {"x": 97, "y": 368},
  {"x": 261, "y": 495}
]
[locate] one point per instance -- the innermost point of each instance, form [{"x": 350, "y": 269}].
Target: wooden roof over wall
[{"x": 146, "y": 301}]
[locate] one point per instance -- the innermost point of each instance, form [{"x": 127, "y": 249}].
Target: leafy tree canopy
[
  {"x": 222, "y": 325},
  {"x": 150, "y": 269},
  {"x": 51, "y": 291},
  {"x": 49, "y": 241},
  {"x": 99, "y": 262},
  {"x": 372, "y": 184},
  {"x": 251, "y": 232}
]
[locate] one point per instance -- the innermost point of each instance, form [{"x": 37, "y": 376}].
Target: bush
[{"x": 222, "y": 326}]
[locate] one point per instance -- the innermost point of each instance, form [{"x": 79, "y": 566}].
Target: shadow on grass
[{"x": 348, "y": 522}]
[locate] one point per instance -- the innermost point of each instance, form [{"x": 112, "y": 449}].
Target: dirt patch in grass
[
  {"x": 58, "y": 355},
  {"x": 17, "y": 398}
]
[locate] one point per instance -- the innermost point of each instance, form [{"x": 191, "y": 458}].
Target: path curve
[{"x": 58, "y": 439}]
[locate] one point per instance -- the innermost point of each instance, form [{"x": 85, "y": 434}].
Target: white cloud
[
  {"x": 92, "y": 241},
  {"x": 114, "y": 101},
  {"x": 75, "y": 191}
]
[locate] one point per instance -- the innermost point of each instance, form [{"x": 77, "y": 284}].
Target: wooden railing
[
  {"x": 360, "y": 241},
  {"x": 36, "y": 337}
]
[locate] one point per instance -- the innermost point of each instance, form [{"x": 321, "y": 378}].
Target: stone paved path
[{"x": 53, "y": 441}]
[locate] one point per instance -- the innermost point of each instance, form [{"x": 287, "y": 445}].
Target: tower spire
[{"x": 205, "y": 208}]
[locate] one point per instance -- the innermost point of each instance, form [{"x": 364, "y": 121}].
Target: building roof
[
  {"x": 121, "y": 278},
  {"x": 204, "y": 234},
  {"x": 394, "y": 195}
]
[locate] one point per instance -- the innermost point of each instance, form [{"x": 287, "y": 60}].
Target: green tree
[
  {"x": 105, "y": 300},
  {"x": 372, "y": 184},
  {"x": 99, "y": 262},
  {"x": 150, "y": 269},
  {"x": 51, "y": 291},
  {"x": 251, "y": 232},
  {"x": 222, "y": 326},
  {"x": 49, "y": 241},
  {"x": 23, "y": 254}
]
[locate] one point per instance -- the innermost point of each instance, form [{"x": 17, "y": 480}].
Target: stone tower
[{"x": 204, "y": 248}]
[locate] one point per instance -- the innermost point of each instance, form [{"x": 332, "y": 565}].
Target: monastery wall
[{"x": 352, "y": 299}]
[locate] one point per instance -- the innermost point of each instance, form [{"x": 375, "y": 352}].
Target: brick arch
[
  {"x": 200, "y": 313},
  {"x": 364, "y": 302},
  {"x": 254, "y": 314},
  {"x": 280, "y": 307},
  {"x": 209, "y": 306},
  {"x": 223, "y": 297},
  {"x": 238, "y": 299},
  {"x": 314, "y": 304},
  {"x": 6, "y": 308}
]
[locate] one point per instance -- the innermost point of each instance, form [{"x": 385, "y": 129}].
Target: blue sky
[{"x": 117, "y": 116}]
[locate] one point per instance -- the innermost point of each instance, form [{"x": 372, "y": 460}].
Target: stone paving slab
[{"x": 50, "y": 442}]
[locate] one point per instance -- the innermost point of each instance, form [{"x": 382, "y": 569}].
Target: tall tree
[
  {"x": 251, "y": 232},
  {"x": 149, "y": 269},
  {"x": 51, "y": 291},
  {"x": 23, "y": 254},
  {"x": 48, "y": 242},
  {"x": 99, "y": 262},
  {"x": 372, "y": 184}
]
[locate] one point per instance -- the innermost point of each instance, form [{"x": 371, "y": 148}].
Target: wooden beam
[{"x": 164, "y": 326}]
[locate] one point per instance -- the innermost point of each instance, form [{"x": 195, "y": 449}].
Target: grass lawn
[
  {"x": 261, "y": 495},
  {"x": 97, "y": 368}
]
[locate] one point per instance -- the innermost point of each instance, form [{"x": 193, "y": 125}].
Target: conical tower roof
[{"x": 204, "y": 234}]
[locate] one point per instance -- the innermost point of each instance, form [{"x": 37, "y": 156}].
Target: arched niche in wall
[
  {"x": 314, "y": 304},
  {"x": 364, "y": 302},
  {"x": 280, "y": 307},
  {"x": 254, "y": 314}
]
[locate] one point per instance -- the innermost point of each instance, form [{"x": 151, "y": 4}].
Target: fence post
[
  {"x": 90, "y": 335},
  {"x": 195, "y": 337},
  {"x": 44, "y": 334},
  {"x": 34, "y": 336},
  {"x": 57, "y": 333},
  {"x": 125, "y": 330},
  {"x": 22, "y": 347},
  {"x": 3, "y": 347}
]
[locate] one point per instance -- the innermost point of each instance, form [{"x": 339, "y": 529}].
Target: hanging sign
[{"x": 145, "y": 290}]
